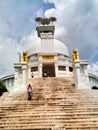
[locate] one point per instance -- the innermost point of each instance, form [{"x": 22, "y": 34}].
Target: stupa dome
[{"x": 59, "y": 47}]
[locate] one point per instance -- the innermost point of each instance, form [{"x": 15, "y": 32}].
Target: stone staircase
[{"x": 56, "y": 105}]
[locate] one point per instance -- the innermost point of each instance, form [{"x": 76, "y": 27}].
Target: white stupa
[{"x": 49, "y": 57}]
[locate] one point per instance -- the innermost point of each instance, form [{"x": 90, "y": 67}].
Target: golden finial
[
  {"x": 25, "y": 56},
  {"x": 75, "y": 55}
]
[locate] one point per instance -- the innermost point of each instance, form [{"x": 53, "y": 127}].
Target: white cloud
[
  {"x": 40, "y": 12},
  {"x": 93, "y": 68},
  {"x": 9, "y": 50},
  {"x": 27, "y": 40},
  {"x": 8, "y": 54},
  {"x": 79, "y": 20},
  {"x": 16, "y": 25},
  {"x": 76, "y": 26}
]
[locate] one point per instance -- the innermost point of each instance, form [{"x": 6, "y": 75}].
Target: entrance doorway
[{"x": 48, "y": 70}]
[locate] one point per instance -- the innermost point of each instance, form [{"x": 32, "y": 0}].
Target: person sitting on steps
[{"x": 45, "y": 74}]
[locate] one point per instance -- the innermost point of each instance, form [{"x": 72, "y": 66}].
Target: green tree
[{"x": 2, "y": 88}]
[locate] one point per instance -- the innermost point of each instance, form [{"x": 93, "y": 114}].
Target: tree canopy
[{"x": 2, "y": 88}]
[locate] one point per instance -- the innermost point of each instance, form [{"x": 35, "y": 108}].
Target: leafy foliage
[{"x": 2, "y": 88}]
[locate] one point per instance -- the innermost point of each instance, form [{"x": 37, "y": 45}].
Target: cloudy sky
[{"x": 76, "y": 26}]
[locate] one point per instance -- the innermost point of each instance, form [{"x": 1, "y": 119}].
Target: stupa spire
[
  {"x": 45, "y": 21},
  {"x": 45, "y": 25}
]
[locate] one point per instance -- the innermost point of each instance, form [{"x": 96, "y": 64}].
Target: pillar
[
  {"x": 81, "y": 74},
  {"x": 86, "y": 77},
  {"x": 77, "y": 75},
  {"x": 40, "y": 70},
  {"x": 24, "y": 75},
  {"x": 67, "y": 68},
  {"x": 16, "y": 77},
  {"x": 29, "y": 72},
  {"x": 56, "y": 69}
]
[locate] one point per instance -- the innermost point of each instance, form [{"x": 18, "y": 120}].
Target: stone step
[
  {"x": 55, "y": 102},
  {"x": 50, "y": 108},
  {"x": 52, "y": 115},
  {"x": 3, "y": 96},
  {"x": 49, "y": 119},
  {"x": 45, "y": 125}
]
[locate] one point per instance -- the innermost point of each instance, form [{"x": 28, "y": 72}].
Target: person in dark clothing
[{"x": 29, "y": 91}]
